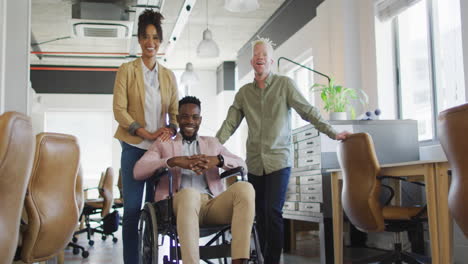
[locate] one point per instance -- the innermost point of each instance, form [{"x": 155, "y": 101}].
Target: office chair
[
  {"x": 51, "y": 204},
  {"x": 102, "y": 206},
  {"x": 80, "y": 202},
  {"x": 362, "y": 189},
  {"x": 453, "y": 125},
  {"x": 16, "y": 159},
  {"x": 118, "y": 202}
]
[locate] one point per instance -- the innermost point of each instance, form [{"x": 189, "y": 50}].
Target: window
[
  {"x": 429, "y": 68},
  {"x": 304, "y": 79},
  {"x": 447, "y": 33},
  {"x": 94, "y": 133},
  {"x": 414, "y": 68}
]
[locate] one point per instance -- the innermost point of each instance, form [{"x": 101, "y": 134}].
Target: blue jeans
[
  {"x": 133, "y": 195},
  {"x": 270, "y": 192}
]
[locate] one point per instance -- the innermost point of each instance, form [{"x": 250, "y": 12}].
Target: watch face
[{"x": 221, "y": 160}]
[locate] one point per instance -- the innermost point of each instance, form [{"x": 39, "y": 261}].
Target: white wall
[
  {"x": 14, "y": 55},
  {"x": 2, "y": 54},
  {"x": 76, "y": 102},
  {"x": 464, "y": 22}
]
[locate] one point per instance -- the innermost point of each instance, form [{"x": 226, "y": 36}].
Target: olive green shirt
[{"x": 268, "y": 114}]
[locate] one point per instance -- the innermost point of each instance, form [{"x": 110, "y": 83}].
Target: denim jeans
[
  {"x": 133, "y": 195},
  {"x": 270, "y": 192}
]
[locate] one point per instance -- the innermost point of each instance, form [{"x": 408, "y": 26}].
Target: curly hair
[
  {"x": 150, "y": 17},
  {"x": 190, "y": 100}
]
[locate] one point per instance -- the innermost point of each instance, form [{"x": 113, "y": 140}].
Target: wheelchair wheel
[{"x": 148, "y": 236}]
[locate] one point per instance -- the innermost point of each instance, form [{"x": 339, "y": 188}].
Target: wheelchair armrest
[
  {"x": 90, "y": 188},
  {"x": 238, "y": 171},
  {"x": 392, "y": 194},
  {"x": 158, "y": 174}
]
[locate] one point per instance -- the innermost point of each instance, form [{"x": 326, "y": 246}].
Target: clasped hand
[{"x": 197, "y": 163}]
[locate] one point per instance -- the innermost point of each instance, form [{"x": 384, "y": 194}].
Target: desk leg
[
  {"x": 337, "y": 218},
  {"x": 431, "y": 197},
  {"x": 444, "y": 218}
]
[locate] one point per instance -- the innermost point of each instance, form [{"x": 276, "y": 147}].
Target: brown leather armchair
[
  {"x": 361, "y": 199},
  {"x": 16, "y": 159},
  {"x": 50, "y": 204},
  {"x": 453, "y": 124}
]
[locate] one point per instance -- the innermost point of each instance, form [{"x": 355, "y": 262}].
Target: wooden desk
[{"x": 434, "y": 174}]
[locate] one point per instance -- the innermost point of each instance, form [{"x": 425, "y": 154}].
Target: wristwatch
[{"x": 221, "y": 161}]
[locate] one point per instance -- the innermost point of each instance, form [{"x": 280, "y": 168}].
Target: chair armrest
[
  {"x": 238, "y": 171},
  {"x": 90, "y": 188},
  {"x": 392, "y": 194},
  {"x": 158, "y": 174},
  {"x": 400, "y": 179}
]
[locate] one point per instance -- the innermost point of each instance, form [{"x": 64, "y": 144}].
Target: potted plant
[{"x": 337, "y": 99}]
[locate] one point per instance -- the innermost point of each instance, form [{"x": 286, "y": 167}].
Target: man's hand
[
  {"x": 185, "y": 162},
  {"x": 205, "y": 163},
  {"x": 197, "y": 163},
  {"x": 342, "y": 135}
]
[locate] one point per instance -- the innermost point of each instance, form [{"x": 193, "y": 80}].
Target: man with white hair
[{"x": 266, "y": 105}]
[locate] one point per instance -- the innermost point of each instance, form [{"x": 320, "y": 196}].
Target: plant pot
[{"x": 338, "y": 116}]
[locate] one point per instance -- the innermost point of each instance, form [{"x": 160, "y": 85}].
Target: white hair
[{"x": 265, "y": 41}]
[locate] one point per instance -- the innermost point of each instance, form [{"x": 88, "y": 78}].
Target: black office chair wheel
[
  {"x": 114, "y": 240},
  {"x": 74, "y": 239},
  {"x": 91, "y": 242},
  {"x": 104, "y": 238},
  {"x": 148, "y": 236},
  {"x": 85, "y": 254},
  {"x": 76, "y": 251}
]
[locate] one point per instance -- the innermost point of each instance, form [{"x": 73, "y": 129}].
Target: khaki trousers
[{"x": 235, "y": 206}]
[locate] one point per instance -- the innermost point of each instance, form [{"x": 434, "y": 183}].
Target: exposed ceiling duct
[{"x": 102, "y": 18}]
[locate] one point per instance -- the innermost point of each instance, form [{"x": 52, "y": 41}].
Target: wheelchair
[{"x": 158, "y": 218}]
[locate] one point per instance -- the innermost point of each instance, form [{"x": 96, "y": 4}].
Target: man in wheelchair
[{"x": 200, "y": 199}]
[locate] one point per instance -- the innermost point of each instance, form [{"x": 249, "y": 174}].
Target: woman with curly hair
[{"x": 145, "y": 105}]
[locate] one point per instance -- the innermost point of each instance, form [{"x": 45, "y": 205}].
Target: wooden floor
[{"x": 107, "y": 252}]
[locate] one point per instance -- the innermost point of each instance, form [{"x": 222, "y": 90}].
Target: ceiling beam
[{"x": 179, "y": 26}]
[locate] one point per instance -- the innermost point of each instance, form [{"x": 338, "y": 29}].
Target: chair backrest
[
  {"x": 106, "y": 191},
  {"x": 119, "y": 184},
  {"x": 79, "y": 190},
  {"x": 51, "y": 206},
  {"x": 361, "y": 189},
  {"x": 453, "y": 124},
  {"x": 16, "y": 159}
]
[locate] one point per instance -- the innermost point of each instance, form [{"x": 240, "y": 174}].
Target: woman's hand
[{"x": 163, "y": 134}]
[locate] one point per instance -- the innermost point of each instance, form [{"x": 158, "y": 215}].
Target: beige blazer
[
  {"x": 129, "y": 99},
  {"x": 159, "y": 152}
]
